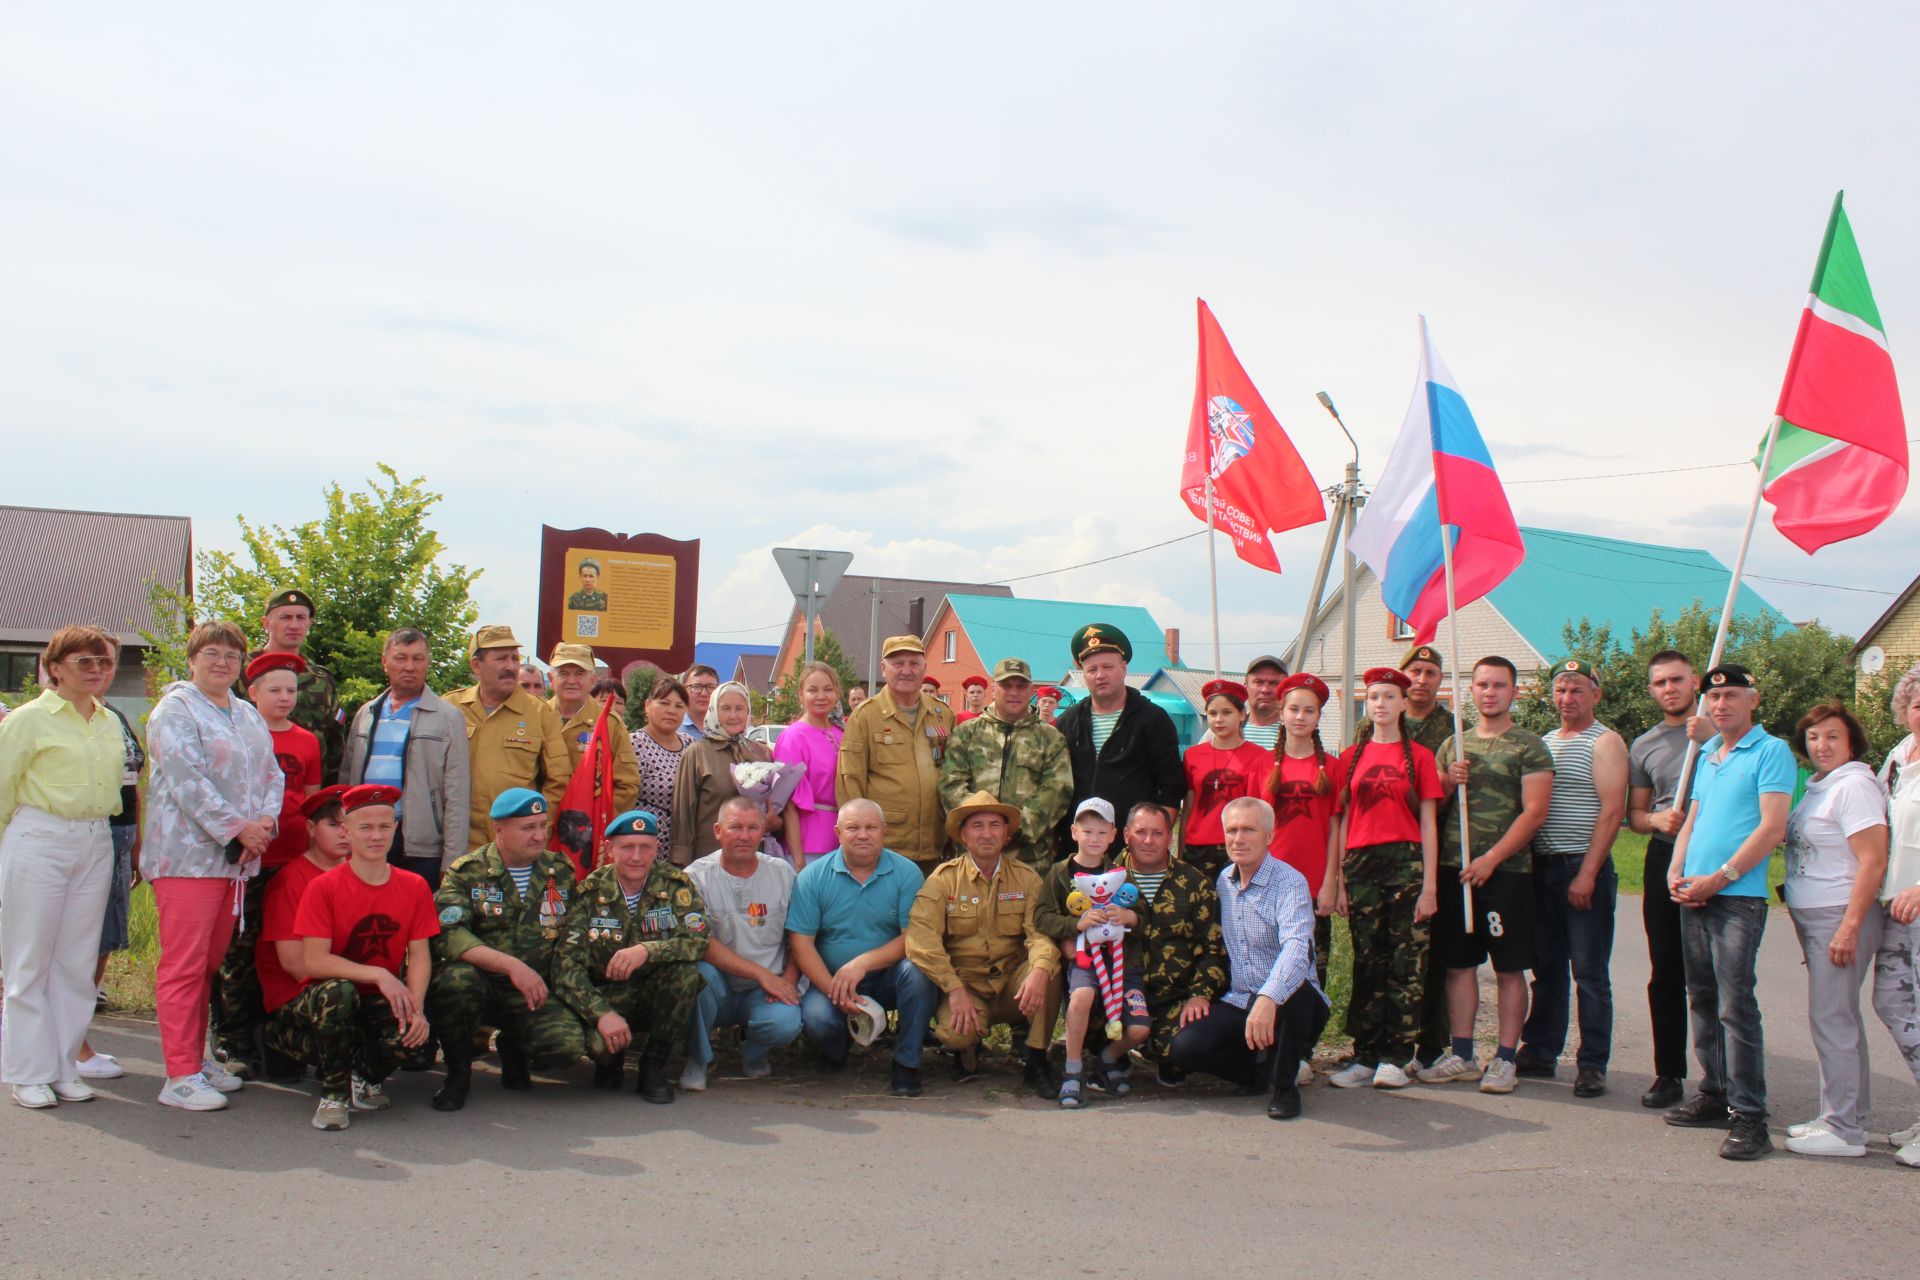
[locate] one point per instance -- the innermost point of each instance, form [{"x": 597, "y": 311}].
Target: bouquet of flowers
[{"x": 771, "y": 783}]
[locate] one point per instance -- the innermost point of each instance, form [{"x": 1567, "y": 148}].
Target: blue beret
[
  {"x": 517, "y": 802},
  {"x": 634, "y": 822}
]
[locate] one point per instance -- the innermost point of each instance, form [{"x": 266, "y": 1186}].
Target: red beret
[
  {"x": 1386, "y": 675},
  {"x": 1311, "y": 683},
  {"x": 1048, "y": 691},
  {"x": 275, "y": 662},
  {"x": 367, "y": 795},
  {"x": 322, "y": 798},
  {"x": 1232, "y": 690},
  {"x": 929, "y": 680},
  {"x": 975, "y": 682}
]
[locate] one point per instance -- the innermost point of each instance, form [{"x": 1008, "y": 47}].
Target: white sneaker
[
  {"x": 332, "y": 1114},
  {"x": 72, "y": 1091},
  {"x": 1449, "y": 1068},
  {"x": 1388, "y": 1076},
  {"x": 1500, "y": 1076},
  {"x": 1806, "y": 1129},
  {"x": 191, "y": 1093},
  {"x": 101, "y": 1066},
  {"x": 35, "y": 1097},
  {"x": 1822, "y": 1143},
  {"x": 1909, "y": 1155},
  {"x": 368, "y": 1096},
  {"x": 1906, "y": 1136},
  {"x": 694, "y": 1078},
  {"x": 1352, "y": 1076},
  {"x": 218, "y": 1077},
  {"x": 1305, "y": 1077}
]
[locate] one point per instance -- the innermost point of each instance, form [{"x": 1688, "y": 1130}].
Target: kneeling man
[
  {"x": 847, "y": 927},
  {"x": 502, "y": 910},
  {"x": 634, "y": 933},
  {"x": 973, "y": 935},
  {"x": 1258, "y": 1033},
  {"x": 364, "y": 928}
]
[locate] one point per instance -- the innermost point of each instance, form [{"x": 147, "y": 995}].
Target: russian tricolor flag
[{"x": 1439, "y": 475}]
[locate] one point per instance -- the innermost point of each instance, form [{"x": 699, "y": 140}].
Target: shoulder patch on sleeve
[
  {"x": 695, "y": 922},
  {"x": 450, "y": 916}
]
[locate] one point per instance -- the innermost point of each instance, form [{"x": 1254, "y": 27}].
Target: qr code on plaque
[{"x": 587, "y": 626}]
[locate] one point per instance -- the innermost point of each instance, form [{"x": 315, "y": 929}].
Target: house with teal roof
[{"x": 1566, "y": 577}]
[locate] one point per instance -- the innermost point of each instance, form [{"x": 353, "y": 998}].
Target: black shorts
[{"x": 1502, "y": 923}]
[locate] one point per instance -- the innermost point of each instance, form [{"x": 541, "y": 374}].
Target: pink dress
[{"x": 819, "y": 750}]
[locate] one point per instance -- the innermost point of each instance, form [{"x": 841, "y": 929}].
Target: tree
[
  {"x": 783, "y": 707},
  {"x": 1794, "y": 667},
  {"x": 371, "y": 565},
  {"x": 639, "y": 688}
]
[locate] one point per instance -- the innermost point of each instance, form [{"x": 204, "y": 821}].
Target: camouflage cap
[
  {"x": 572, "y": 655},
  {"x": 1012, "y": 669},
  {"x": 1423, "y": 653},
  {"x": 291, "y": 596},
  {"x": 496, "y": 636},
  {"x": 1576, "y": 667},
  {"x": 588, "y": 562},
  {"x": 1100, "y": 637}
]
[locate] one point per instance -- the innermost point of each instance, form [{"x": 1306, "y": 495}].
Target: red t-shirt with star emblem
[
  {"x": 298, "y": 754},
  {"x": 1302, "y": 816},
  {"x": 1380, "y": 813},
  {"x": 1216, "y": 778},
  {"x": 368, "y": 923}
]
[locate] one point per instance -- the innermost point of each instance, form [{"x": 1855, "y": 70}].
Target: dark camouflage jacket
[
  {"x": 670, "y": 919},
  {"x": 480, "y": 907},
  {"x": 1023, "y": 764},
  {"x": 1184, "y": 952}
]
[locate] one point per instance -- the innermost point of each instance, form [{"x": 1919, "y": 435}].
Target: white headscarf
[{"x": 714, "y": 733}]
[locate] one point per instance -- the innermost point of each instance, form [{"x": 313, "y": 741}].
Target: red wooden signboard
[{"x": 630, "y": 597}]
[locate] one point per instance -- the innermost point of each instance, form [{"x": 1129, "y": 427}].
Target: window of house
[
  {"x": 1399, "y": 628},
  {"x": 952, "y": 643},
  {"x": 17, "y": 671}
]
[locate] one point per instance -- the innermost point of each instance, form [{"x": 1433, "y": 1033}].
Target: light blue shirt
[
  {"x": 1268, "y": 929},
  {"x": 846, "y": 918},
  {"x": 1726, "y": 799},
  {"x": 387, "y": 745}
]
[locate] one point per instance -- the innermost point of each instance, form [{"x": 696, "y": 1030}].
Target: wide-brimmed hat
[{"x": 979, "y": 802}]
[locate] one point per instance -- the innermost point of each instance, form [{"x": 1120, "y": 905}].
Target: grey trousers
[
  {"x": 1896, "y": 986},
  {"x": 1833, "y": 1015}
]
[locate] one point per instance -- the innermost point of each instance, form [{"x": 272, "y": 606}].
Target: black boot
[
  {"x": 1039, "y": 1075},
  {"x": 653, "y": 1085},
  {"x": 607, "y": 1075},
  {"x": 453, "y": 1094},
  {"x": 513, "y": 1065}
]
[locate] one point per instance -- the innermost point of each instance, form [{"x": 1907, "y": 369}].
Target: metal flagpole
[
  {"x": 1459, "y": 742},
  {"x": 1213, "y": 578},
  {"x": 1348, "y": 729},
  {"x": 1733, "y": 593}
]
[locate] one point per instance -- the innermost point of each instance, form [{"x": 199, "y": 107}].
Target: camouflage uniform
[
  {"x": 1185, "y": 955},
  {"x": 1389, "y": 951},
  {"x": 479, "y": 906},
  {"x": 238, "y": 1016},
  {"x": 318, "y": 712},
  {"x": 670, "y": 919},
  {"x": 1433, "y": 731},
  {"x": 1023, "y": 764},
  {"x": 338, "y": 1029}
]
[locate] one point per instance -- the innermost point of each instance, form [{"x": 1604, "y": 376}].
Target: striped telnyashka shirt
[{"x": 1576, "y": 804}]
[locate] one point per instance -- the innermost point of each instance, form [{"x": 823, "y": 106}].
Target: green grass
[
  {"x": 1630, "y": 861},
  {"x": 129, "y": 979}
]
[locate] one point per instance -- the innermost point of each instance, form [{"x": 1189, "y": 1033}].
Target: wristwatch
[{"x": 1730, "y": 872}]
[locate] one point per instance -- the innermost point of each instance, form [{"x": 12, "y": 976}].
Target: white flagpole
[
  {"x": 1213, "y": 575},
  {"x": 1733, "y": 593}
]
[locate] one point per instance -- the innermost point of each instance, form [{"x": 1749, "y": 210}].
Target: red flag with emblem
[
  {"x": 587, "y": 807},
  {"x": 1260, "y": 485}
]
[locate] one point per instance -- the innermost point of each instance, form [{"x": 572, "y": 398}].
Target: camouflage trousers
[
  {"x": 238, "y": 1014},
  {"x": 461, "y": 999},
  {"x": 657, "y": 1001},
  {"x": 338, "y": 1030},
  {"x": 1389, "y": 952}
]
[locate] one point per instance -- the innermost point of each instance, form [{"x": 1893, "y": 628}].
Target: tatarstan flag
[{"x": 1839, "y": 467}]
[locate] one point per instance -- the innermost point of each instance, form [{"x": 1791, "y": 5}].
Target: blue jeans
[
  {"x": 1721, "y": 942},
  {"x": 903, "y": 989},
  {"x": 1577, "y": 944},
  {"x": 765, "y": 1024}
]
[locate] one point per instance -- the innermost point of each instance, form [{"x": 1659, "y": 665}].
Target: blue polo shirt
[
  {"x": 1726, "y": 799},
  {"x": 846, "y": 918}
]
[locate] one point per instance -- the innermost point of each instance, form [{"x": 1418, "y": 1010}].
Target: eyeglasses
[
  {"x": 220, "y": 657},
  {"x": 91, "y": 662}
]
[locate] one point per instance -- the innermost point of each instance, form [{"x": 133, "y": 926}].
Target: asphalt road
[{"x": 806, "y": 1177}]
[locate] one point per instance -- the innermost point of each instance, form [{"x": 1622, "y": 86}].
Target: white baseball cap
[{"x": 1095, "y": 805}]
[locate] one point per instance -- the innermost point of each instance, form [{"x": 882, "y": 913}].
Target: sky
[{"x": 919, "y": 284}]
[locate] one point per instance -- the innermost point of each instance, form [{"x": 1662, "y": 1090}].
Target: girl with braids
[
  {"x": 1390, "y": 850},
  {"x": 1221, "y": 768},
  {"x": 1304, "y": 789}
]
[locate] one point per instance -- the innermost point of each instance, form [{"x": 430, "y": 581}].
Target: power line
[{"x": 1657, "y": 471}]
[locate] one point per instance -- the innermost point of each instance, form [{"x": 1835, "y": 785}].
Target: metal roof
[
  {"x": 850, "y": 609},
  {"x": 1039, "y": 630},
  {"x": 58, "y": 568}
]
